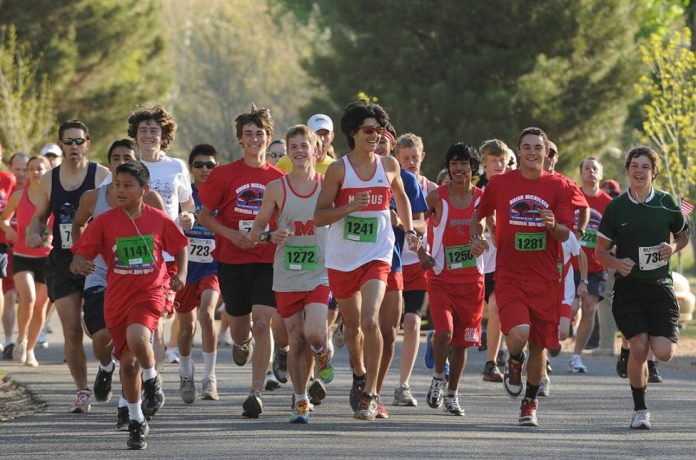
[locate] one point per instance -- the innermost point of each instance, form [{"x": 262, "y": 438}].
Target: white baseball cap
[
  {"x": 51, "y": 149},
  {"x": 320, "y": 121}
]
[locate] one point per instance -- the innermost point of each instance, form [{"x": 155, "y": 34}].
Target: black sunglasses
[
  {"x": 71, "y": 141},
  {"x": 207, "y": 164},
  {"x": 275, "y": 155}
]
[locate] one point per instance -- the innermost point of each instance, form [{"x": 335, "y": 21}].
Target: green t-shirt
[{"x": 639, "y": 228}]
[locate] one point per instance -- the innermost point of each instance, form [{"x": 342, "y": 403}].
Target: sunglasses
[
  {"x": 370, "y": 130},
  {"x": 71, "y": 141},
  {"x": 207, "y": 164},
  {"x": 275, "y": 155}
]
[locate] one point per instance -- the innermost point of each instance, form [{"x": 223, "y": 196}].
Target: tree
[
  {"x": 475, "y": 69},
  {"x": 26, "y": 102},
  {"x": 101, "y": 58}
]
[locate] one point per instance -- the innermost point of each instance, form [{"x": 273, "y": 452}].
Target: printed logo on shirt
[
  {"x": 378, "y": 197},
  {"x": 249, "y": 198},
  {"x": 524, "y": 211},
  {"x": 164, "y": 189},
  {"x": 300, "y": 228},
  {"x": 595, "y": 219},
  {"x": 471, "y": 334}
]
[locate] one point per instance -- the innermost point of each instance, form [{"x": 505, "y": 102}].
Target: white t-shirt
[{"x": 571, "y": 247}]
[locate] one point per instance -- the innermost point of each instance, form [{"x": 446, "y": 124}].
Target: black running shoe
[
  {"x": 122, "y": 419},
  {"x": 7, "y": 352},
  {"x": 316, "y": 392},
  {"x": 138, "y": 431},
  {"x": 280, "y": 364},
  {"x": 622, "y": 363},
  {"x": 253, "y": 407},
  {"x": 653, "y": 374},
  {"x": 154, "y": 396},
  {"x": 102, "y": 385},
  {"x": 356, "y": 390}
]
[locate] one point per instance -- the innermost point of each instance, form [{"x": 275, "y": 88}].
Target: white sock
[
  {"x": 318, "y": 352},
  {"x": 107, "y": 368},
  {"x": 135, "y": 413},
  {"x": 122, "y": 402},
  {"x": 439, "y": 375},
  {"x": 185, "y": 366},
  {"x": 149, "y": 373},
  {"x": 210, "y": 359},
  {"x": 302, "y": 397}
]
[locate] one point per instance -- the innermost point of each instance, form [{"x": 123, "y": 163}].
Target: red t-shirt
[
  {"x": 578, "y": 198},
  {"x": 7, "y": 185},
  {"x": 589, "y": 242},
  {"x": 132, "y": 250},
  {"x": 526, "y": 250},
  {"x": 236, "y": 191}
]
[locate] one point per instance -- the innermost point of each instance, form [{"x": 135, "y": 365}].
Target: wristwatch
[
  {"x": 585, "y": 282},
  {"x": 265, "y": 236},
  {"x": 581, "y": 232}
]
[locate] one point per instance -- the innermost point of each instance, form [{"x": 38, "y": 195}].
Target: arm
[
  {"x": 680, "y": 241},
  {"x": 34, "y": 237},
  {"x": 623, "y": 266},
  {"x": 559, "y": 231},
  {"x": 425, "y": 259},
  {"x": 100, "y": 176},
  {"x": 88, "y": 201},
  {"x": 186, "y": 217},
  {"x": 208, "y": 220},
  {"x": 178, "y": 281},
  {"x": 272, "y": 199},
  {"x": 325, "y": 212},
  {"x": 403, "y": 207},
  {"x": 476, "y": 228},
  {"x": 583, "y": 220},
  {"x": 7, "y": 214},
  {"x": 152, "y": 198},
  {"x": 582, "y": 264}
]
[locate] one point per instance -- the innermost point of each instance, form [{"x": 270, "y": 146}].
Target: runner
[
  {"x": 245, "y": 270},
  {"x": 53, "y": 154},
  {"x": 7, "y": 185},
  {"x": 455, "y": 277},
  {"x": 276, "y": 151},
  {"x": 29, "y": 273},
  {"x": 639, "y": 222},
  {"x": 202, "y": 291},
  {"x": 355, "y": 203},
  {"x": 60, "y": 194},
  {"x": 92, "y": 204},
  {"x": 324, "y": 129},
  {"x": 410, "y": 154},
  {"x": 299, "y": 275},
  {"x": 534, "y": 214},
  {"x": 131, "y": 239}
]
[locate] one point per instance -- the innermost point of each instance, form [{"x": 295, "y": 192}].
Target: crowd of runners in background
[{"x": 302, "y": 251}]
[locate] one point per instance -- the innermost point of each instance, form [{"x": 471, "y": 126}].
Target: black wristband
[
  {"x": 265, "y": 236},
  {"x": 413, "y": 232}
]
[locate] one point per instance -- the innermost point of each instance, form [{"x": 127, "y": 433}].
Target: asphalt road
[{"x": 586, "y": 416}]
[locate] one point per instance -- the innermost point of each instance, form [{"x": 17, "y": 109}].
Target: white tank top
[
  {"x": 366, "y": 235},
  {"x": 409, "y": 256}
]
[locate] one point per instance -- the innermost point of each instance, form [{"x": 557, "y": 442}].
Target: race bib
[
  {"x": 65, "y": 235},
  {"x": 135, "y": 250},
  {"x": 459, "y": 257},
  {"x": 201, "y": 250},
  {"x": 302, "y": 258},
  {"x": 589, "y": 239},
  {"x": 245, "y": 225},
  {"x": 360, "y": 229},
  {"x": 530, "y": 241},
  {"x": 649, "y": 258}
]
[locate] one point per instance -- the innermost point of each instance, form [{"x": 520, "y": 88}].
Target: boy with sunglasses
[
  {"x": 202, "y": 290},
  {"x": 61, "y": 192}
]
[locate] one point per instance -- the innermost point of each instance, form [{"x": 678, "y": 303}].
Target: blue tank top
[
  {"x": 64, "y": 205},
  {"x": 201, "y": 245},
  {"x": 418, "y": 204}
]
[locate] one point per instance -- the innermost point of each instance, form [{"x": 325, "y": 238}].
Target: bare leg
[
  {"x": 389, "y": 319},
  {"x": 70, "y": 312},
  {"x": 263, "y": 347}
]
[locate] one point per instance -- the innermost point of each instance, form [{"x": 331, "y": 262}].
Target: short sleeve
[
  {"x": 212, "y": 193},
  {"x": 606, "y": 226},
  {"x": 677, "y": 223},
  {"x": 487, "y": 204},
  {"x": 183, "y": 188},
  {"x": 578, "y": 198},
  {"x": 91, "y": 242},
  {"x": 563, "y": 210}
]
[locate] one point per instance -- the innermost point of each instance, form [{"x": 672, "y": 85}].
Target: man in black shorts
[{"x": 640, "y": 222}]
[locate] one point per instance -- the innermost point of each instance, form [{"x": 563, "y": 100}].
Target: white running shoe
[
  {"x": 641, "y": 420},
  {"x": 19, "y": 353},
  {"x": 576, "y": 365},
  {"x": 172, "y": 356},
  {"x": 544, "y": 386}
]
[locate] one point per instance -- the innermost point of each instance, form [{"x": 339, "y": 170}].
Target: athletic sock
[
  {"x": 318, "y": 352},
  {"x": 638, "y": 398},
  {"x": 451, "y": 393},
  {"x": 149, "y": 373},
  {"x": 185, "y": 366},
  {"x": 108, "y": 368},
  {"x": 439, "y": 375},
  {"x": 302, "y": 397},
  {"x": 122, "y": 402},
  {"x": 209, "y": 359},
  {"x": 135, "y": 413},
  {"x": 531, "y": 391}
]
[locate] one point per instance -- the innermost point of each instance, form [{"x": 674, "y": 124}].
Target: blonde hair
[
  {"x": 494, "y": 147},
  {"x": 408, "y": 141}
]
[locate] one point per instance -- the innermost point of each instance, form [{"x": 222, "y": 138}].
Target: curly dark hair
[
  {"x": 261, "y": 117},
  {"x": 355, "y": 113},
  {"x": 161, "y": 117}
]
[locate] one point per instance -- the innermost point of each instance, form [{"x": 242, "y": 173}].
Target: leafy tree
[{"x": 101, "y": 57}]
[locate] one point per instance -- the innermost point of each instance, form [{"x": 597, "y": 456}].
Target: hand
[
  {"x": 413, "y": 241},
  {"x": 186, "y": 219},
  {"x": 664, "y": 249},
  {"x": 479, "y": 246},
  {"x": 361, "y": 200},
  {"x": 11, "y": 235},
  {"x": 240, "y": 239},
  {"x": 426, "y": 260},
  {"x": 548, "y": 218},
  {"x": 279, "y": 236},
  {"x": 395, "y": 221},
  {"x": 33, "y": 240},
  {"x": 625, "y": 266},
  {"x": 582, "y": 290},
  {"x": 81, "y": 266},
  {"x": 177, "y": 282}
]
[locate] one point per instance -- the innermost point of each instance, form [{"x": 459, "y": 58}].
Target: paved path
[{"x": 586, "y": 416}]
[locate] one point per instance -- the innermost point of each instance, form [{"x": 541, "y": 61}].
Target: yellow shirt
[{"x": 285, "y": 164}]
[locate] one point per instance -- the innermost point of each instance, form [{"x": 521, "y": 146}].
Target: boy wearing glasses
[
  {"x": 355, "y": 203},
  {"x": 245, "y": 270},
  {"x": 61, "y": 192},
  {"x": 202, "y": 290}
]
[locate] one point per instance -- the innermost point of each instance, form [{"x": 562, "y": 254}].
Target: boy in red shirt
[{"x": 131, "y": 239}]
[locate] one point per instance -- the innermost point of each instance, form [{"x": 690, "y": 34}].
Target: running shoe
[
  {"x": 549, "y": 369},
  {"x": 512, "y": 380},
  {"x": 271, "y": 383},
  {"x": 452, "y": 406},
  {"x": 171, "y": 356},
  {"x": 136, "y": 438},
  {"x": 356, "y": 391},
  {"x": 83, "y": 402},
  {"x": 253, "y": 406},
  {"x": 436, "y": 393},
  {"x": 544, "y": 386},
  {"x": 300, "y": 412},
  {"x": 102, "y": 384},
  {"x": 484, "y": 339},
  {"x": 242, "y": 353},
  {"x": 447, "y": 369},
  {"x": 491, "y": 373},
  {"x": 382, "y": 411},
  {"x": 316, "y": 392},
  {"x": 310, "y": 406},
  {"x": 154, "y": 396},
  {"x": 9, "y": 349},
  {"x": 209, "y": 390},
  {"x": 641, "y": 420},
  {"x": 429, "y": 357},
  {"x": 31, "y": 359},
  {"x": 187, "y": 389},
  {"x": 502, "y": 357},
  {"x": 19, "y": 354},
  {"x": 653, "y": 374},
  {"x": 576, "y": 365},
  {"x": 325, "y": 366},
  {"x": 41, "y": 341},
  {"x": 528, "y": 413},
  {"x": 367, "y": 410},
  {"x": 122, "y": 419},
  {"x": 403, "y": 396},
  {"x": 280, "y": 364},
  {"x": 622, "y": 363}
]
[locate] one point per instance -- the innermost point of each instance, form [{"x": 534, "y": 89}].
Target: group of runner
[{"x": 285, "y": 247}]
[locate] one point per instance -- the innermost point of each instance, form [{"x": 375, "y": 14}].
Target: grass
[{"x": 689, "y": 330}]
